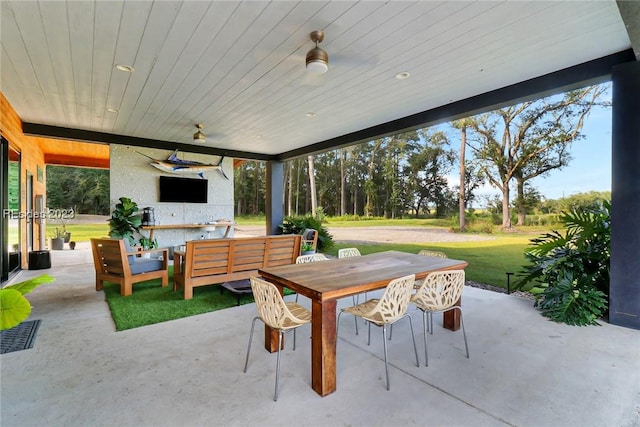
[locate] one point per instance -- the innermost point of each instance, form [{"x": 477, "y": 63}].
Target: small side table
[{"x": 238, "y": 288}]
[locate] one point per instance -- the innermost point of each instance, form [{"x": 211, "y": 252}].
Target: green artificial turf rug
[{"x": 151, "y": 303}]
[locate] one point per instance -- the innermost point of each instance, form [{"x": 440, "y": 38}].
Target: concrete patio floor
[{"x": 523, "y": 371}]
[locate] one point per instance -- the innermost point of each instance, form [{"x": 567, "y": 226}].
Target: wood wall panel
[{"x": 38, "y": 152}]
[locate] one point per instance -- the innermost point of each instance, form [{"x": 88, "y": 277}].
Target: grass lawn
[
  {"x": 489, "y": 260},
  {"x": 82, "y": 232}
]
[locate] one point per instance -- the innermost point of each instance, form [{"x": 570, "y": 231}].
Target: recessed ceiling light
[
  {"x": 403, "y": 75},
  {"x": 125, "y": 68},
  {"x": 112, "y": 110},
  {"x": 310, "y": 114}
]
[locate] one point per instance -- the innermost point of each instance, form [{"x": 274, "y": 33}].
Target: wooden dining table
[{"x": 324, "y": 282}]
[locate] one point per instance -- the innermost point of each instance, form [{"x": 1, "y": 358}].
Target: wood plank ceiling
[{"x": 238, "y": 68}]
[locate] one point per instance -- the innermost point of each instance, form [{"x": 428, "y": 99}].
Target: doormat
[{"x": 19, "y": 337}]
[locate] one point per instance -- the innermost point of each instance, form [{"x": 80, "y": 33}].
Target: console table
[{"x": 152, "y": 228}]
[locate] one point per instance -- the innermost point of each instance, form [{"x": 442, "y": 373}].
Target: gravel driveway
[{"x": 381, "y": 234}]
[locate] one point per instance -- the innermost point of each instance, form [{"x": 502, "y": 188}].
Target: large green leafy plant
[
  {"x": 125, "y": 220},
  {"x": 14, "y": 307},
  {"x": 297, "y": 225},
  {"x": 572, "y": 269}
]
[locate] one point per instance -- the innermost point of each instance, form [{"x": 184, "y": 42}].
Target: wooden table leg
[
  {"x": 271, "y": 339},
  {"x": 323, "y": 347},
  {"x": 451, "y": 318},
  {"x": 271, "y": 335}
]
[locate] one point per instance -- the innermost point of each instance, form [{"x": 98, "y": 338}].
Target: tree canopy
[{"x": 86, "y": 190}]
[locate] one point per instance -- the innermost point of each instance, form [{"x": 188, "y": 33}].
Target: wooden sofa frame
[
  {"x": 215, "y": 261},
  {"x": 111, "y": 264}
]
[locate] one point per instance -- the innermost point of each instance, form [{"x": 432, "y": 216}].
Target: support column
[
  {"x": 624, "y": 292},
  {"x": 275, "y": 196}
]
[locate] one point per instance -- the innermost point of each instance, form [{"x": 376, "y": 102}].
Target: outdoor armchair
[{"x": 115, "y": 261}]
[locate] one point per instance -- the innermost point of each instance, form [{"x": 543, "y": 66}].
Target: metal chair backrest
[
  {"x": 348, "y": 252},
  {"x": 440, "y": 290},
  {"x": 437, "y": 254},
  {"x": 303, "y": 259},
  {"x": 394, "y": 302},
  {"x": 271, "y": 307}
]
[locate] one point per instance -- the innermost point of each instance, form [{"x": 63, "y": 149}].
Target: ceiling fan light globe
[
  {"x": 317, "y": 61},
  {"x": 317, "y": 67},
  {"x": 199, "y": 136}
]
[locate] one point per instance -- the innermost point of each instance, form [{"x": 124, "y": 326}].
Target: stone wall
[{"x": 133, "y": 176}]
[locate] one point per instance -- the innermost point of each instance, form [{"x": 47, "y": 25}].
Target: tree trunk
[
  {"x": 312, "y": 186},
  {"x": 290, "y": 189},
  {"x": 355, "y": 199},
  {"x": 369, "y": 188},
  {"x": 506, "y": 217},
  {"x": 461, "y": 201},
  {"x": 343, "y": 185},
  {"x": 520, "y": 205},
  {"x": 256, "y": 179},
  {"x": 297, "y": 186}
]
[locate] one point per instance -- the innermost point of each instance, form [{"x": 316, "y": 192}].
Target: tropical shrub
[
  {"x": 297, "y": 225},
  {"x": 573, "y": 268}
]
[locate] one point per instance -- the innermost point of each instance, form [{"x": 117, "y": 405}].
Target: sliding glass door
[{"x": 10, "y": 187}]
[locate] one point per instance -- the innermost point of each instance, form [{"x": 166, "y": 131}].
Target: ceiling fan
[{"x": 317, "y": 59}]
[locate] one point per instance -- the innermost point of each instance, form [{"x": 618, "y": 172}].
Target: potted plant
[
  {"x": 147, "y": 244},
  {"x": 307, "y": 249},
  {"x": 125, "y": 220},
  {"x": 57, "y": 241}
]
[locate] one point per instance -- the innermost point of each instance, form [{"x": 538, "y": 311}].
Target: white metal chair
[
  {"x": 437, "y": 254},
  {"x": 302, "y": 259},
  {"x": 439, "y": 293},
  {"x": 278, "y": 315},
  {"x": 347, "y": 253},
  {"x": 387, "y": 310}
]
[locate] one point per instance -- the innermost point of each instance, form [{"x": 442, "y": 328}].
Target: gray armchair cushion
[
  {"x": 127, "y": 248},
  {"x": 143, "y": 265}
]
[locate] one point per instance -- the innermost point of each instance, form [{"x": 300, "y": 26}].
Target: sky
[{"x": 589, "y": 169}]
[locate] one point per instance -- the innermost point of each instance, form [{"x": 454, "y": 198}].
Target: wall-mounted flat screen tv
[{"x": 183, "y": 190}]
